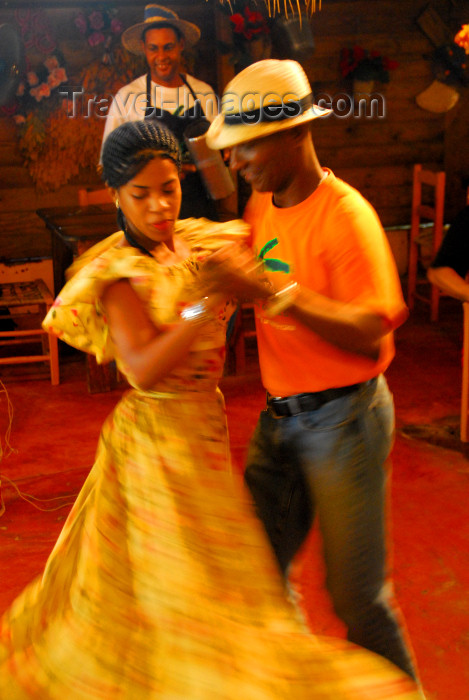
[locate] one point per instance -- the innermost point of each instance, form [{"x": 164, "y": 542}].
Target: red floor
[{"x": 55, "y": 430}]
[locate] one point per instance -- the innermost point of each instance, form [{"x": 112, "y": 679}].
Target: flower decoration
[
  {"x": 462, "y": 38},
  {"x": 100, "y": 28},
  {"x": 37, "y": 92},
  {"x": 249, "y": 25},
  {"x": 360, "y": 64},
  {"x": 449, "y": 61},
  {"x": 250, "y": 31}
]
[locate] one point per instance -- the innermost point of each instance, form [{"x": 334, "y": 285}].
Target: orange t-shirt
[{"x": 334, "y": 244}]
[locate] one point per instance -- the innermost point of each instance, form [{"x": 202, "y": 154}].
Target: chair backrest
[
  {"x": 88, "y": 195},
  {"x": 434, "y": 211}
]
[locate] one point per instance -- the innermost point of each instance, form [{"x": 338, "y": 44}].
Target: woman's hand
[{"x": 235, "y": 271}]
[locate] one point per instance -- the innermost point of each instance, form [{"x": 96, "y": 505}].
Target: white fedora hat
[
  {"x": 157, "y": 14},
  {"x": 267, "y": 96}
]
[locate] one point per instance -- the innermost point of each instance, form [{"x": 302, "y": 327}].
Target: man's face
[
  {"x": 162, "y": 49},
  {"x": 264, "y": 162}
]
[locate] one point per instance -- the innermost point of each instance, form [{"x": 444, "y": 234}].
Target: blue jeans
[{"x": 331, "y": 463}]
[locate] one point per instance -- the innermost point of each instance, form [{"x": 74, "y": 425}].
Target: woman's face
[{"x": 151, "y": 202}]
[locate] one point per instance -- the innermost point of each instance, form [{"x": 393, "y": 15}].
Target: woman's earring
[{"x": 116, "y": 202}]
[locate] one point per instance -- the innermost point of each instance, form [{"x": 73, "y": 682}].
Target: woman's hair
[{"x": 131, "y": 146}]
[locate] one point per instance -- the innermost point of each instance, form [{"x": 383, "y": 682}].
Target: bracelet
[
  {"x": 281, "y": 299},
  {"x": 198, "y": 312}
]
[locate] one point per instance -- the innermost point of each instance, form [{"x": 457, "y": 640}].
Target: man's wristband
[{"x": 281, "y": 300}]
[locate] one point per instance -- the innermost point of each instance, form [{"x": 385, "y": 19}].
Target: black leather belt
[{"x": 299, "y": 403}]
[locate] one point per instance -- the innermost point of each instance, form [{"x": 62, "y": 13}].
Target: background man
[
  {"x": 325, "y": 336},
  {"x": 167, "y": 93}
]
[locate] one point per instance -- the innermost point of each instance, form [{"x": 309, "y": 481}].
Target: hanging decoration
[
  {"x": 360, "y": 64},
  {"x": 449, "y": 62},
  {"x": 250, "y": 34},
  {"x": 365, "y": 67}
]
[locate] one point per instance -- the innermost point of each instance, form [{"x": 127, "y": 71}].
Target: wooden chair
[
  {"x": 23, "y": 305},
  {"x": 88, "y": 195},
  {"x": 434, "y": 213},
  {"x": 244, "y": 329}
]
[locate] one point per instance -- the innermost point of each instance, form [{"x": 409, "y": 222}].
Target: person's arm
[
  {"x": 449, "y": 282},
  {"x": 347, "y": 326},
  {"x": 148, "y": 353}
]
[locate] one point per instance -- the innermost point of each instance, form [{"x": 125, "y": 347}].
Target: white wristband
[
  {"x": 198, "y": 312},
  {"x": 282, "y": 299}
]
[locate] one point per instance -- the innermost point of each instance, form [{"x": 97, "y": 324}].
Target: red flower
[
  {"x": 359, "y": 53},
  {"x": 253, "y": 17},
  {"x": 238, "y": 21},
  {"x": 249, "y": 26},
  {"x": 365, "y": 65}
]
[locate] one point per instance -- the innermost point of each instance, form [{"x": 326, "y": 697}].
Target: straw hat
[
  {"x": 132, "y": 37},
  {"x": 267, "y": 96}
]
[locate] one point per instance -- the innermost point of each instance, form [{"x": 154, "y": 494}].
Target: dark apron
[{"x": 195, "y": 200}]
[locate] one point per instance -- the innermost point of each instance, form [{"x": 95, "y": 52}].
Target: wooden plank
[
  {"x": 14, "y": 176},
  {"x": 376, "y": 156},
  {"x": 412, "y": 70},
  {"x": 357, "y": 18},
  {"x": 385, "y": 176},
  {"x": 354, "y": 132},
  {"x": 7, "y": 127},
  {"x": 23, "y": 236},
  {"x": 398, "y": 45},
  {"x": 27, "y": 198},
  {"x": 9, "y": 154}
]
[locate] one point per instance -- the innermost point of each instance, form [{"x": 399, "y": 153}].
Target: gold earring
[{"x": 116, "y": 202}]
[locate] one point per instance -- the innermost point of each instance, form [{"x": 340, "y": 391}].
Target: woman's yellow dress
[{"x": 162, "y": 584}]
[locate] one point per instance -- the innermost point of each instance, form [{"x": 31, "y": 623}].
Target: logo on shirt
[{"x": 273, "y": 264}]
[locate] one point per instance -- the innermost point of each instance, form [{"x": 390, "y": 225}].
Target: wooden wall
[{"x": 375, "y": 155}]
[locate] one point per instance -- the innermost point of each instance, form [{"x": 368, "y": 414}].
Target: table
[{"x": 73, "y": 231}]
